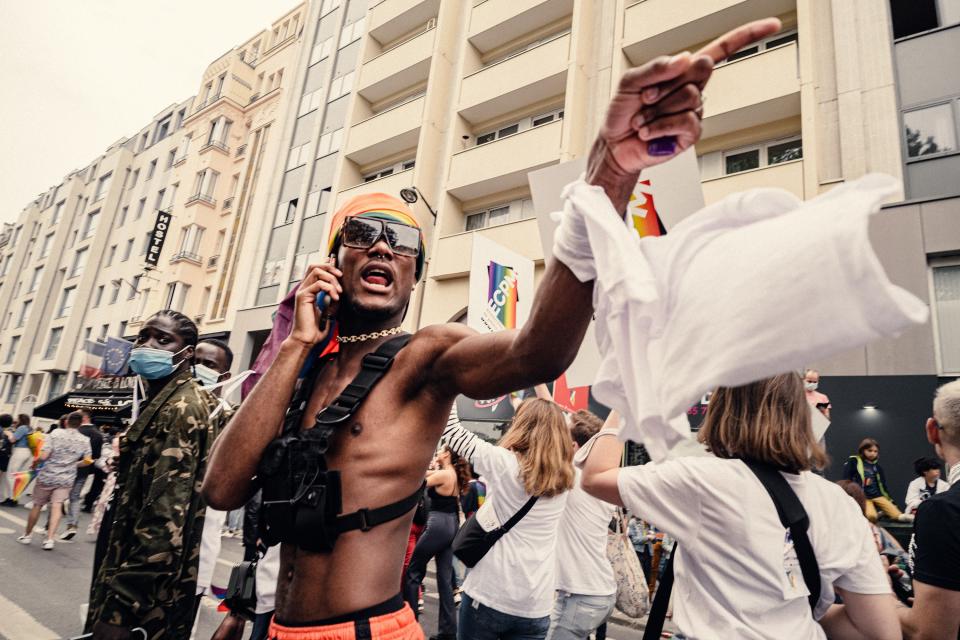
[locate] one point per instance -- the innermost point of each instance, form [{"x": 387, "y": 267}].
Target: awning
[{"x": 98, "y": 403}]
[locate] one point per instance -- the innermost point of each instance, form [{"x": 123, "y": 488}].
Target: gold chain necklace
[{"x": 363, "y": 337}]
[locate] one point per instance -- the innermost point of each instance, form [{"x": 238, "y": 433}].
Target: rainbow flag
[
  {"x": 644, "y": 214},
  {"x": 22, "y": 480},
  {"x": 502, "y": 294}
]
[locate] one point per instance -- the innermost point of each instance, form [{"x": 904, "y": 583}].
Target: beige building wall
[{"x": 86, "y": 238}]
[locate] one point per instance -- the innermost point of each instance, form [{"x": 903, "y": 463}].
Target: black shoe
[{"x": 9, "y": 503}]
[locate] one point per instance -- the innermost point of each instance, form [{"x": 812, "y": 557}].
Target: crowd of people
[{"x": 354, "y": 471}]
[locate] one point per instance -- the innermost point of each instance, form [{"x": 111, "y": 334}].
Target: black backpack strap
[
  {"x": 372, "y": 368},
  {"x": 365, "y": 519},
  {"x": 794, "y": 517},
  {"x": 658, "y": 611},
  {"x": 518, "y": 516}
]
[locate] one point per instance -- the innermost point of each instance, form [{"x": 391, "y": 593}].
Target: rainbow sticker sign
[
  {"x": 500, "y": 311},
  {"x": 643, "y": 212}
]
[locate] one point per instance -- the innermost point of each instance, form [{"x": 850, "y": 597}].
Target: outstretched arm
[{"x": 654, "y": 115}]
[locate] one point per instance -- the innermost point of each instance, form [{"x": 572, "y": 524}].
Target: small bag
[
  {"x": 241, "y": 596},
  {"x": 633, "y": 597},
  {"x": 473, "y": 541}
]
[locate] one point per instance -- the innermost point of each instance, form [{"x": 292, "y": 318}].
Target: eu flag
[{"x": 115, "y": 355}]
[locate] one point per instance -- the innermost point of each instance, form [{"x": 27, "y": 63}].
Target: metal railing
[
  {"x": 201, "y": 197},
  {"x": 187, "y": 256},
  {"x": 216, "y": 144}
]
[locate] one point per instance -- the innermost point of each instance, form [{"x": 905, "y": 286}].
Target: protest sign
[{"x": 501, "y": 287}]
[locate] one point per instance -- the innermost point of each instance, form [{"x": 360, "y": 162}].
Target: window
[
  {"x": 104, "y": 332},
  {"x": 522, "y": 125},
  {"x": 176, "y": 295},
  {"x": 103, "y": 185},
  {"x": 136, "y": 176},
  {"x": 45, "y": 245},
  {"x": 757, "y": 156},
  {"x": 500, "y": 214},
  {"x": 387, "y": 171},
  {"x": 151, "y": 168},
  {"x": 946, "y": 307},
  {"x": 916, "y": 16},
  {"x": 351, "y": 33},
  {"x": 123, "y": 216},
  {"x": 86, "y": 335},
  {"x": 127, "y": 250},
  {"x": 180, "y": 116},
  {"x": 15, "y": 380},
  {"x": 321, "y": 50},
  {"x": 183, "y": 150},
  {"x": 190, "y": 238},
  {"x": 115, "y": 291},
  {"x": 57, "y": 382},
  {"x": 122, "y": 329},
  {"x": 158, "y": 205},
  {"x": 66, "y": 301},
  {"x": 140, "y": 207},
  {"x": 24, "y": 313},
  {"x": 328, "y": 6},
  {"x": 163, "y": 129},
  {"x": 171, "y": 157},
  {"x": 285, "y": 213},
  {"x": 330, "y": 142},
  {"x": 764, "y": 45},
  {"x": 930, "y": 130},
  {"x": 340, "y": 86},
  {"x": 53, "y": 342},
  {"x": 98, "y": 296},
  {"x": 57, "y": 212},
  {"x": 219, "y": 129},
  {"x": 79, "y": 262},
  {"x": 135, "y": 287},
  {"x": 146, "y": 243},
  {"x": 90, "y": 224},
  {"x": 111, "y": 254},
  {"x": 35, "y": 279}
]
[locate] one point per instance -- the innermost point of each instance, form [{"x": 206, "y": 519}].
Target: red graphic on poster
[
  {"x": 573, "y": 399},
  {"x": 646, "y": 220}
]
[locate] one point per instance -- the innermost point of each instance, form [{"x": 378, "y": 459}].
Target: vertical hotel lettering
[{"x": 502, "y": 296}]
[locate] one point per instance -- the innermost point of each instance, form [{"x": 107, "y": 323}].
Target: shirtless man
[{"x": 384, "y": 450}]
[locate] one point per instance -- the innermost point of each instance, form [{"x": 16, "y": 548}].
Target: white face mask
[
  {"x": 810, "y": 386},
  {"x": 206, "y": 375}
]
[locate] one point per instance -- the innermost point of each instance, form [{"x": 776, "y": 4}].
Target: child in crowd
[
  {"x": 926, "y": 485},
  {"x": 865, "y": 470}
]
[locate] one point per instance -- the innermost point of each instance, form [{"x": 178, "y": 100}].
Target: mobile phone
[{"x": 323, "y": 301}]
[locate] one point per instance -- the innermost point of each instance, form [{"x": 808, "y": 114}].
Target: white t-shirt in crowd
[
  {"x": 736, "y": 573},
  {"x": 266, "y": 581},
  {"x": 210, "y": 544},
  {"x": 517, "y": 575},
  {"x": 582, "y": 564}
]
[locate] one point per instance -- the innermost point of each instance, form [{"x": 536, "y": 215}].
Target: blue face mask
[{"x": 152, "y": 364}]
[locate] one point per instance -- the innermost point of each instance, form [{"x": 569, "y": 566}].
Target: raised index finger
[{"x": 733, "y": 41}]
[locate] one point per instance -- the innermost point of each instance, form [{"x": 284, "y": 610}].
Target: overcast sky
[{"x": 80, "y": 74}]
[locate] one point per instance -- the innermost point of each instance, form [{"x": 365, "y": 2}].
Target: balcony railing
[
  {"x": 179, "y": 160},
  {"x": 227, "y": 203},
  {"x": 186, "y": 256},
  {"x": 202, "y": 197},
  {"x": 216, "y": 144},
  {"x": 213, "y": 261}
]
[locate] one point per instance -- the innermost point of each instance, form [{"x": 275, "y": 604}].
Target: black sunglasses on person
[{"x": 363, "y": 233}]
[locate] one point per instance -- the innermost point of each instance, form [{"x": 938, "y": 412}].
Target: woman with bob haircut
[
  {"x": 737, "y": 574},
  {"x": 510, "y": 592}
]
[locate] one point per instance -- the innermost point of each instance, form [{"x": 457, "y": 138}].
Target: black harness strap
[{"x": 366, "y": 519}]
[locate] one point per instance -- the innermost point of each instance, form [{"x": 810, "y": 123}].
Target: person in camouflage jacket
[{"x": 149, "y": 574}]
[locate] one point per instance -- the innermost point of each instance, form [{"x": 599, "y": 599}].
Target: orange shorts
[{"x": 399, "y": 625}]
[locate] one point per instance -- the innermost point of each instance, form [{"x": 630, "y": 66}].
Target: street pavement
[{"x": 41, "y": 592}]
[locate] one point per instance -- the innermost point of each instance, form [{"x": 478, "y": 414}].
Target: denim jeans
[
  {"x": 480, "y": 622},
  {"x": 435, "y": 543},
  {"x": 576, "y": 616},
  {"x": 74, "y": 506}
]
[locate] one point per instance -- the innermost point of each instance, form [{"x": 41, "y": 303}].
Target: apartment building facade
[{"x": 74, "y": 266}]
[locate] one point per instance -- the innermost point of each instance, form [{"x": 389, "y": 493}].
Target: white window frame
[
  {"x": 524, "y": 124},
  {"x": 79, "y": 262},
  {"x": 519, "y": 209},
  {"x": 935, "y": 263},
  {"x": 389, "y": 170},
  {"x": 764, "y": 153},
  {"x": 762, "y": 46}
]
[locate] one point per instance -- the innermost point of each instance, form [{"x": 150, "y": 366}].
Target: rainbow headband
[{"x": 380, "y": 206}]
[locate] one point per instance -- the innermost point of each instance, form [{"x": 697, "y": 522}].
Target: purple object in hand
[{"x": 665, "y": 146}]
